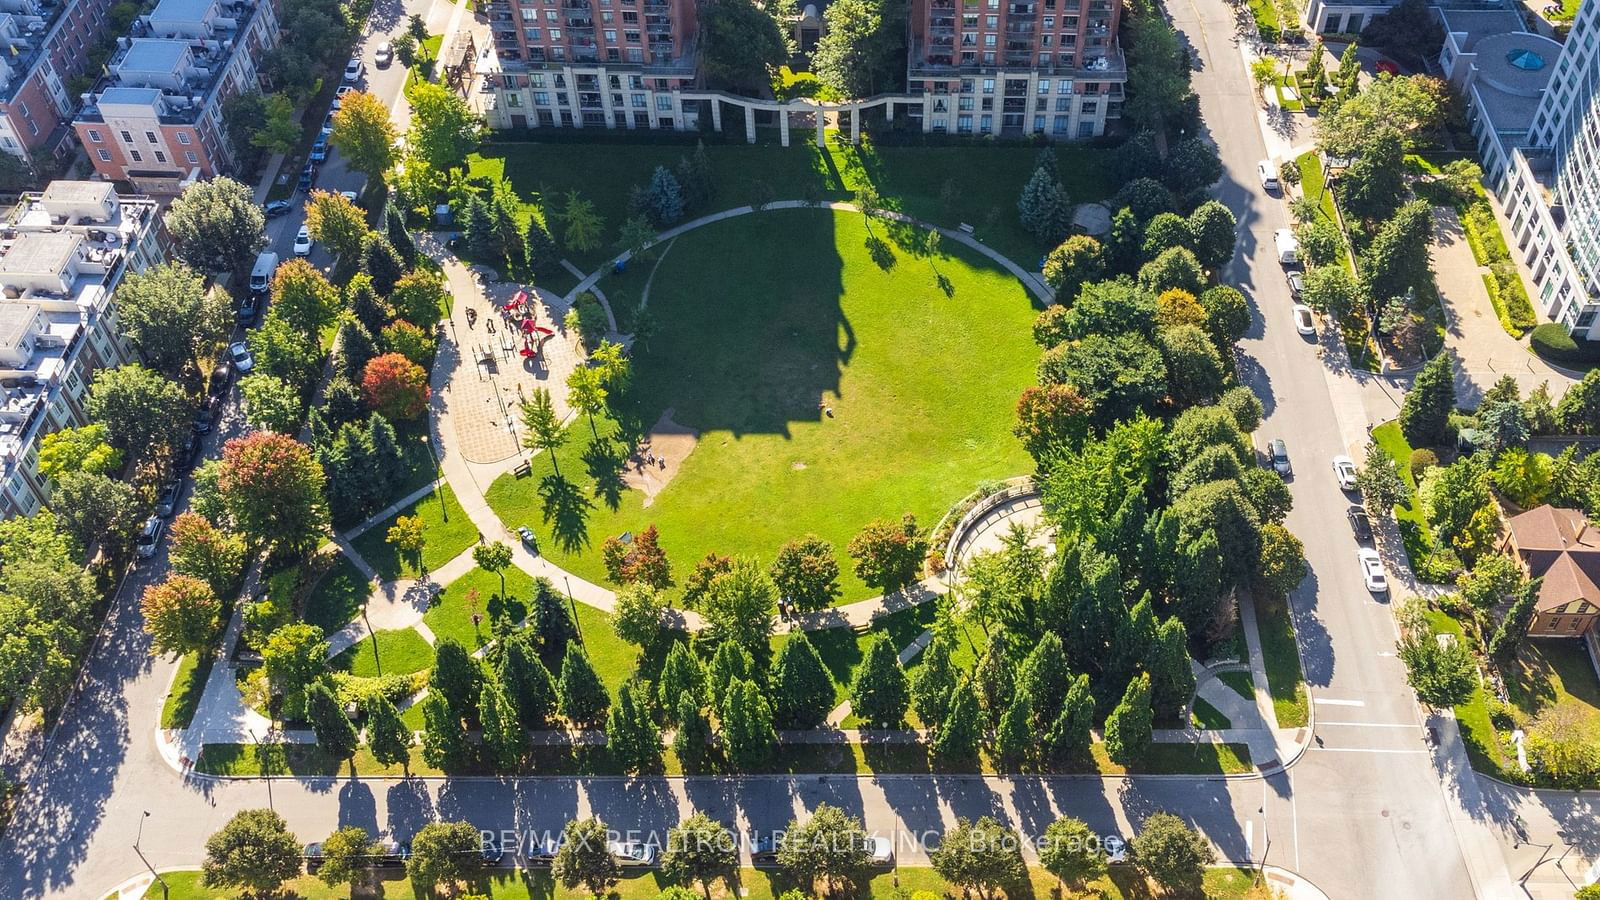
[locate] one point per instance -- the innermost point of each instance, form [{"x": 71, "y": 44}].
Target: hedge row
[{"x": 1552, "y": 342}]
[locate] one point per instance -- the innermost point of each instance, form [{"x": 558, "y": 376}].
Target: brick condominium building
[{"x": 44, "y": 44}]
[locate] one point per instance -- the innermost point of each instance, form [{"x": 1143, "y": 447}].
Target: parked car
[
  {"x": 343, "y": 89},
  {"x": 383, "y": 55},
  {"x": 1360, "y": 523},
  {"x": 1288, "y": 248},
  {"x": 319, "y": 149},
  {"x": 167, "y": 500},
  {"x": 308, "y": 176},
  {"x": 202, "y": 422},
  {"x": 1116, "y": 848},
  {"x": 278, "y": 208},
  {"x": 634, "y": 853},
  {"x": 1387, "y": 67},
  {"x": 1297, "y": 282},
  {"x": 240, "y": 355},
  {"x": 1344, "y": 471},
  {"x": 1268, "y": 174},
  {"x": 149, "y": 536},
  {"x": 353, "y": 69},
  {"x": 302, "y": 241},
  {"x": 188, "y": 455},
  {"x": 543, "y": 856},
  {"x": 1278, "y": 452},
  {"x": 525, "y": 534},
  {"x": 880, "y": 851},
  {"x": 387, "y": 854},
  {"x": 492, "y": 852},
  {"x": 349, "y": 195},
  {"x": 1304, "y": 322},
  {"x": 248, "y": 310},
  {"x": 764, "y": 849},
  {"x": 1372, "y": 570}
]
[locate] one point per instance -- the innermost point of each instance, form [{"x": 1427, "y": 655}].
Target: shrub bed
[{"x": 1552, "y": 342}]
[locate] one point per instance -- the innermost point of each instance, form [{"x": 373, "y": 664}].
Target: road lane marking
[
  {"x": 1366, "y": 724},
  {"x": 1363, "y": 750},
  {"x": 1329, "y": 702}
]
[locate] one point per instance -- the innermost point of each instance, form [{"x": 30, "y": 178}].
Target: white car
[
  {"x": 338, "y": 96},
  {"x": 302, "y": 241},
  {"x": 353, "y": 69},
  {"x": 349, "y": 195},
  {"x": 149, "y": 537},
  {"x": 242, "y": 360},
  {"x": 1372, "y": 570},
  {"x": 880, "y": 851},
  {"x": 383, "y": 54},
  {"x": 1269, "y": 175},
  {"x": 633, "y": 853},
  {"x": 1303, "y": 321},
  {"x": 1344, "y": 470}
]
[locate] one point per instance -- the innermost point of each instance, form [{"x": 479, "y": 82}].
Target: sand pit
[{"x": 659, "y": 456}]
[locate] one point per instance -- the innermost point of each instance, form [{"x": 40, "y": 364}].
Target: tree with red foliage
[
  {"x": 1051, "y": 416},
  {"x": 273, "y": 488},
  {"x": 395, "y": 387},
  {"x": 642, "y": 561}
]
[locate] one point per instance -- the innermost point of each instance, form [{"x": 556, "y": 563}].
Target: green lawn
[
  {"x": 754, "y": 884},
  {"x": 1266, "y": 16},
  {"x": 1477, "y": 732},
  {"x": 338, "y": 597},
  {"x": 399, "y": 652},
  {"x": 448, "y": 531},
  {"x": 749, "y": 345},
  {"x": 1241, "y": 682},
  {"x": 912, "y": 179},
  {"x": 187, "y": 688},
  {"x": 1208, "y": 716},
  {"x": 1548, "y": 671},
  {"x": 1284, "y": 679},
  {"x": 1414, "y": 528}
]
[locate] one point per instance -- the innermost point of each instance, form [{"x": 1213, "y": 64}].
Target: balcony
[{"x": 1023, "y": 28}]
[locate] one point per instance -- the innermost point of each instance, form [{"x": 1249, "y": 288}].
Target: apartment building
[
  {"x": 155, "y": 119},
  {"x": 62, "y": 254},
  {"x": 1016, "y": 67},
  {"x": 1534, "y": 105},
  {"x": 593, "y": 63},
  {"x": 44, "y": 45}
]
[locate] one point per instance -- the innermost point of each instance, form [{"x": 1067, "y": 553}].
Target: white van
[
  {"x": 261, "y": 274},
  {"x": 1288, "y": 247}
]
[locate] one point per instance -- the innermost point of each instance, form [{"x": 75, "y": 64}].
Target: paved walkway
[{"x": 1482, "y": 349}]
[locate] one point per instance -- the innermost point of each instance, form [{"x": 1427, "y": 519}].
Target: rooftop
[
  {"x": 32, "y": 22},
  {"x": 1471, "y": 26},
  {"x": 176, "y": 58},
  {"x": 154, "y": 55},
  {"x": 1561, "y": 547},
  {"x": 181, "y": 9},
  {"x": 38, "y": 253},
  {"x": 77, "y": 191},
  {"x": 1509, "y": 78}
]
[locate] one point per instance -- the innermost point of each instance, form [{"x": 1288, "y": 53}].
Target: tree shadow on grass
[
  {"x": 880, "y": 252},
  {"x": 605, "y": 459},
  {"x": 566, "y": 512}
]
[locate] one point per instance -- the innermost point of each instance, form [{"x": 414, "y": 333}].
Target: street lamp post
[
  {"x": 574, "y": 604},
  {"x": 262, "y": 763},
  {"x": 157, "y": 875}
]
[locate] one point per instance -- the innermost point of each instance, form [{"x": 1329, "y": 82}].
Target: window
[
  {"x": 663, "y": 103},
  {"x": 183, "y": 137},
  {"x": 127, "y": 138},
  {"x": 1044, "y": 85},
  {"x": 134, "y": 155},
  {"x": 1060, "y": 125},
  {"x": 105, "y": 155},
  {"x": 611, "y": 35},
  {"x": 94, "y": 135},
  {"x": 151, "y": 137},
  {"x": 536, "y": 81},
  {"x": 965, "y": 103},
  {"x": 532, "y": 33},
  {"x": 989, "y": 40},
  {"x": 964, "y": 124},
  {"x": 988, "y": 85},
  {"x": 542, "y": 98},
  {"x": 1038, "y": 124},
  {"x": 639, "y": 102},
  {"x": 1063, "y": 104},
  {"x": 1090, "y": 107},
  {"x": 555, "y": 34},
  {"x": 1049, "y": 23},
  {"x": 191, "y": 157},
  {"x": 160, "y": 157},
  {"x": 1085, "y": 129},
  {"x": 986, "y": 123},
  {"x": 514, "y": 99},
  {"x": 22, "y": 108},
  {"x": 631, "y": 37},
  {"x": 991, "y": 22}
]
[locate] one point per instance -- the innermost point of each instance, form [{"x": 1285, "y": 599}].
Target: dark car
[
  {"x": 167, "y": 500},
  {"x": 202, "y": 423},
  {"x": 1360, "y": 522},
  {"x": 764, "y": 849},
  {"x": 492, "y": 852},
  {"x": 187, "y": 455},
  {"x": 543, "y": 856},
  {"x": 249, "y": 309},
  {"x": 278, "y": 208},
  {"x": 387, "y": 854},
  {"x": 1278, "y": 451},
  {"x": 308, "y": 176}
]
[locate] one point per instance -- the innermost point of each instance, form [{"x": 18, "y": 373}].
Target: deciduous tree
[
  {"x": 1171, "y": 853},
  {"x": 445, "y": 853},
  {"x": 141, "y": 410},
  {"x": 802, "y": 690},
  {"x": 364, "y": 134},
  {"x": 395, "y": 387},
  {"x": 584, "y": 858},
  {"x": 806, "y": 572},
  {"x": 216, "y": 225},
  {"x": 162, "y": 310},
  {"x": 701, "y": 849},
  {"x": 443, "y": 128},
  {"x": 831, "y": 846},
  {"x": 1072, "y": 852},
  {"x": 253, "y": 851},
  {"x": 180, "y": 615}
]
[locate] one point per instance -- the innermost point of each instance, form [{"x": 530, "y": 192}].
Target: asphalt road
[{"x": 1362, "y": 813}]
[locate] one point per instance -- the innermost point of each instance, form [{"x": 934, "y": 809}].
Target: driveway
[{"x": 1482, "y": 350}]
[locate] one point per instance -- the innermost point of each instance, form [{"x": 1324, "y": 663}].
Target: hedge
[{"x": 1552, "y": 342}]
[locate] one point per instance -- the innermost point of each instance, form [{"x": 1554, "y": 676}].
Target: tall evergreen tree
[
  {"x": 1015, "y": 739},
  {"x": 399, "y": 237},
  {"x": 335, "y": 734},
  {"x": 1514, "y": 627},
  {"x": 456, "y": 677},
  {"x": 932, "y": 684},
  {"x": 878, "y": 693},
  {"x": 996, "y": 680},
  {"x": 961, "y": 731},
  {"x": 631, "y": 735},
  {"x": 1171, "y": 679},
  {"x": 1425, "y": 413},
  {"x": 1128, "y": 728},
  {"x": 664, "y": 198},
  {"x": 444, "y": 740},
  {"x": 379, "y": 259},
  {"x": 528, "y": 684},
  {"x": 681, "y": 676},
  {"x": 543, "y": 255},
  {"x": 363, "y": 302},
  {"x": 1068, "y": 737},
  {"x": 1045, "y": 211},
  {"x": 583, "y": 698},
  {"x": 389, "y": 469},
  {"x": 503, "y": 740},
  {"x": 729, "y": 664},
  {"x": 747, "y": 727},
  {"x": 387, "y": 736},
  {"x": 693, "y": 737},
  {"x": 477, "y": 229},
  {"x": 1045, "y": 678},
  {"x": 551, "y": 622},
  {"x": 802, "y": 690}
]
